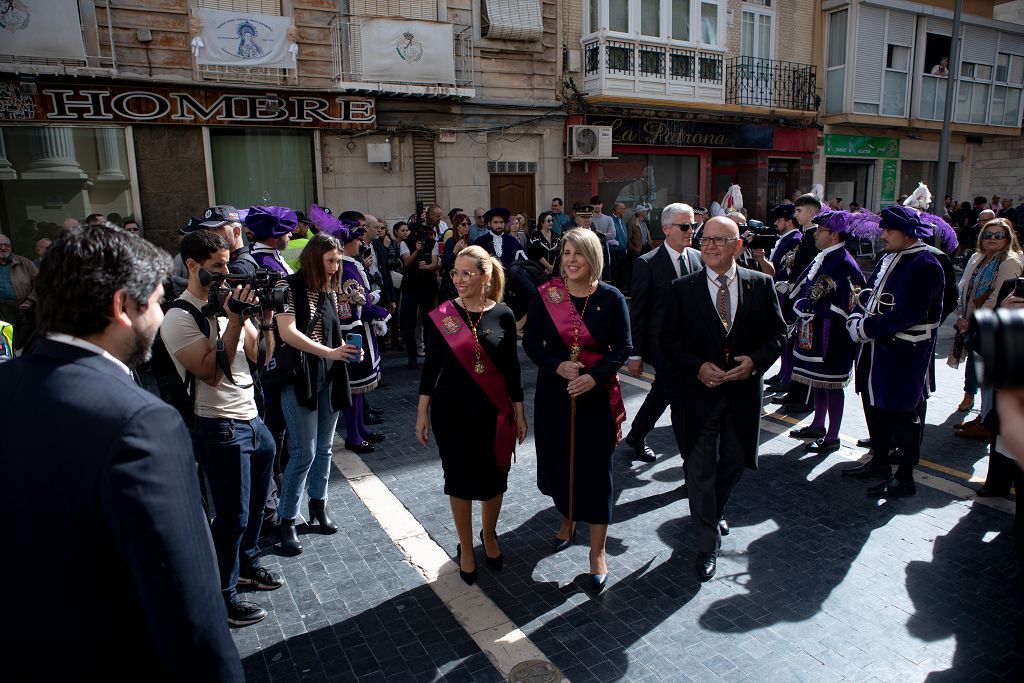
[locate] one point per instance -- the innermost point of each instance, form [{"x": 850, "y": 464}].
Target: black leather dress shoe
[
  {"x": 893, "y": 488},
  {"x": 374, "y": 411},
  {"x": 373, "y": 420},
  {"x": 706, "y": 565},
  {"x": 723, "y": 527},
  {"x": 796, "y": 408},
  {"x": 360, "y": 447},
  {"x": 821, "y": 446},
  {"x": 869, "y": 470},
  {"x": 986, "y": 492},
  {"x": 864, "y": 443},
  {"x": 807, "y": 433},
  {"x": 374, "y": 437},
  {"x": 641, "y": 451}
]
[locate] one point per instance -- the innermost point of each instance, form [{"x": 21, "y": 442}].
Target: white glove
[
  {"x": 855, "y": 327},
  {"x": 380, "y": 328},
  {"x": 375, "y": 297}
]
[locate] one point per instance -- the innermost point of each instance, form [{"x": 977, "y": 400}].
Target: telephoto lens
[{"x": 997, "y": 338}]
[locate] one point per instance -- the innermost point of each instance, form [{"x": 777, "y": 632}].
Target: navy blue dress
[{"x": 607, "y": 318}]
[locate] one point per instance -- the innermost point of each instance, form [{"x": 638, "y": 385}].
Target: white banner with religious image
[
  {"x": 407, "y": 51},
  {"x": 41, "y": 28},
  {"x": 242, "y": 39}
]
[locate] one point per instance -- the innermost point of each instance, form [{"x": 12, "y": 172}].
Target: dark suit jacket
[
  {"x": 109, "y": 551},
  {"x": 692, "y": 335},
  {"x": 387, "y": 288},
  {"x": 649, "y": 290}
]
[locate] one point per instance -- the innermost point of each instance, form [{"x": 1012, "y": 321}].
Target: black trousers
[
  {"x": 902, "y": 430},
  {"x": 713, "y": 467},
  {"x": 650, "y": 412},
  {"x": 416, "y": 301}
]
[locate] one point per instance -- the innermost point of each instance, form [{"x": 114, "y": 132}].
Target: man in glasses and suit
[
  {"x": 723, "y": 329},
  {"x": 653, "y": 272}
]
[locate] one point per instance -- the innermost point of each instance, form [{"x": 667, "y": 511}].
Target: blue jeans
[
  {"x": 238, "y": 458},
  {"x": 970, "y": 375},
  {"x": 311, "y": 436}
]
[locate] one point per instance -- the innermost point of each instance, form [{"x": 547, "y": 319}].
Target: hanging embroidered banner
[
  {"x": 243, "y": 39},
  {"x": 41, "y": 28},
  {"x": 407, "y": 51}
]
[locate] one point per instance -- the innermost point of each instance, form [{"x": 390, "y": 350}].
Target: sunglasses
[
  {"x": 994, "y": 235},
  {"x": 682, "y": 226}
]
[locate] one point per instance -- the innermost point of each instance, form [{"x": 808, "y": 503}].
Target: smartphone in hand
[{"x": 354, "y": 339}]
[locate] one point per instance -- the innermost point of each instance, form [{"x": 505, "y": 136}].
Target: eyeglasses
[
  {"x": 994, "y": 235},
  {"x": 717, "y": 241},
  {"x": 682, "y": 226},
  {"x": 463, "y": 274}
]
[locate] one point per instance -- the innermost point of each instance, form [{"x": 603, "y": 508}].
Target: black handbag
[{"x": 285, "y": 365}]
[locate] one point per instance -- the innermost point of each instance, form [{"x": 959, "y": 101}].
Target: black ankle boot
[
  {"x": 318, "y": 513},
  {"x": 289, "y": 540}
]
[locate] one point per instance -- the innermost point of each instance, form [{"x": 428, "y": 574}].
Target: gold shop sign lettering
[
  {"x": 115, "y": 104},
  {"x": 668, "y": 133}
]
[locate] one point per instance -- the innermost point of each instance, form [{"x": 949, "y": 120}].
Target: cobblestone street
[{"x": 815, "y": 582}]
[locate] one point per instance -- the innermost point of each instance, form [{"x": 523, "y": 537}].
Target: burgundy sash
[
  {"x": 560, "y": 308},
  {"x": 460, "y": 339}
]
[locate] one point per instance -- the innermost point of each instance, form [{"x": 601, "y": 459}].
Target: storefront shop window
[
  {"x": 263, "y": 167},
  {"x": 51, "y": 173},
  {"x": 657, "y": 179}
]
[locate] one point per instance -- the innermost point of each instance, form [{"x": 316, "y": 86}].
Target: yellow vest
[
  {"x": 294, "y": 250},
  {"x": 6, "y": 341}
]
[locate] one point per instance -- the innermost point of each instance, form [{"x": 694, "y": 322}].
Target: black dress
[
  {"x": 607, "y": 318},
  {"x": 463, "y": 417}
]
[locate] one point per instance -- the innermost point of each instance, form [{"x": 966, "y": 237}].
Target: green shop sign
[
  {"x": 862, "y": 146},
  {"x": 888, "y": 181}
]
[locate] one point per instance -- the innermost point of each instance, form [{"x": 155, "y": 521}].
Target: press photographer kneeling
[{"x": 233, "y": 445}]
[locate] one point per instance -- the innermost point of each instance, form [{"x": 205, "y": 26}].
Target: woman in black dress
[
  {"x": 472, "y": 367},
  {"x": 579, "y": 312},
  {"x": 543, "y": 243},
  {"x": 452, "y": 246}
]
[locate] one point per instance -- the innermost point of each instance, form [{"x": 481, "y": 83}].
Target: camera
[
  {"x": 365, "y": 251},
  {"x": 997, "y": 338},
  {"x": 263, "y": 282},
  {"x": 764, "y": 236}
]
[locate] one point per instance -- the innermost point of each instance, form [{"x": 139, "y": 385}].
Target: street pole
[{"x": 941, "y": 171}]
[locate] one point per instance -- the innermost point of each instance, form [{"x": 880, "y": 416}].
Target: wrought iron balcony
[
  {"x": 652, "y": 69},
  {"x": 751, "y": 81}
]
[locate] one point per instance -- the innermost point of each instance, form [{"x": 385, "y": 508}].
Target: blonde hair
[
  {"x": 587, "y": 244},
  {"x": 489, "y": 266},
  {"x": 524, "y": 224},
  {"x": 1012, "y": 244}
]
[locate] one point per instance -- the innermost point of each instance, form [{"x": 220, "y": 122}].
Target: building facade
[
  {"x": 699, "y": 94},
  {"x": 886, "y": 68},
  {"x": 157, "y": 109}
]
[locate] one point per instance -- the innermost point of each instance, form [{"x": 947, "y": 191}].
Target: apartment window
[
  {"x": 681, "y": 20},
  {"x": 650, "y": 17},
  {"x": 618, "y": 16},
  {"x": 972, "y": 93},
  {"x": 835, "y": 62},
  {"x": 756, "y": 34},
  {"x": 894, "y": 85},
  {"x": 657, "y": 16},
  {"x": 709, "y": 23},
  {"x": 1006, "y": 93},
  {"x": 594, "y": 18}
]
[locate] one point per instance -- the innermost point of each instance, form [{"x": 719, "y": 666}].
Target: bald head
[{"x": 721, "y": 226}]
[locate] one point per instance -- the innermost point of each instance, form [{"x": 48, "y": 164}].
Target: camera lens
[{"x": 998, "y": 337}]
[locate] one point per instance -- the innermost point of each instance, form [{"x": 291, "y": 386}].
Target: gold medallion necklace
[{"x": 478, "y": 364}]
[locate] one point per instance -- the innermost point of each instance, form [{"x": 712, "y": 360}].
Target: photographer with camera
[
  {"x": 421, "y": 259},
  {"x": 233, "y": 445},
  {"x": 757, "y": 238}
]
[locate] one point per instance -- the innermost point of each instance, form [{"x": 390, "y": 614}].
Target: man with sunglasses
[{"x": 653, "y": 273}]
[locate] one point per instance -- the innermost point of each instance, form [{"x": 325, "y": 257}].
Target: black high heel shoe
[
  {"x": 563, "y": 543},
  {"x": 288, "y": 538},
  {"x": 318, "y": 513},
  {"x": 468, "y": 577},
  {"x": 495, "y": 563},
  {"x": 598, "y": 581}
]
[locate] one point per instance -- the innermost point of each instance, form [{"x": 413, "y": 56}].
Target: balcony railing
[
  {"x": 751, "y": 81},
  {"x": 652, "y": 69},
  {"x": 346, "y": 51}
]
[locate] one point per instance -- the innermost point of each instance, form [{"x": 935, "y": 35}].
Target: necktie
[
  {"x": 683, "y": 270},
  {"x": 724, "y": 305}
]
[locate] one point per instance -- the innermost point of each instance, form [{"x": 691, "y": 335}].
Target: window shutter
[
  {"x": 867, "y": 83},
  {"x": 410, "y": 9},
  {"x": 943, "y": 27},
  {"x": 269, "y": 7},
  {"x": 424, "y": 182},
  {"x": 513, "y": 20},
  {"x": 978, "y": 45},
  {"x": 900, "y": 29},
  {"x": 1011, "y": 43}
]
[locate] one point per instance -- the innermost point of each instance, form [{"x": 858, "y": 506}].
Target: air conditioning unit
[{"x": 590, "y": 142}]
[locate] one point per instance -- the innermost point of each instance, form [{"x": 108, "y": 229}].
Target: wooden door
[{"x": 515, "y": 192}]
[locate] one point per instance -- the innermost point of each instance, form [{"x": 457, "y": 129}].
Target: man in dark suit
[
  {"x": 109, "y": 503},
  {"x": 652, "y": 274},
  {"x": 723, "y": 329}
]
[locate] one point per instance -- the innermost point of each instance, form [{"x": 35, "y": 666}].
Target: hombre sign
[{"x": 187, "y": 106}]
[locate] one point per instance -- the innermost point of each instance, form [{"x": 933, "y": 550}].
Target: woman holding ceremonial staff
[
  {"x": 472, "y": 367},
  {"x": 577, "y": 332}
]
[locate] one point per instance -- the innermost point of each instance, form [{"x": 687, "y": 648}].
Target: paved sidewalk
[{"x": 815, "y": 582}]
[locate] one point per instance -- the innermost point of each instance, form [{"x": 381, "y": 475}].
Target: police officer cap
[
  {"x": 785, "y": 210},
  {"x": 193, "y": 224},
  {"x": 270, "y": 221},
  {"x": 217, "y": 216},
  {"x": 583, "y": 210}
]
